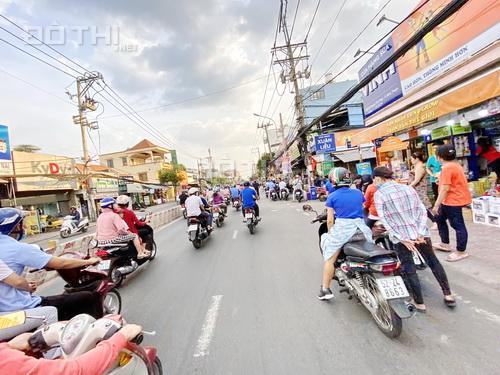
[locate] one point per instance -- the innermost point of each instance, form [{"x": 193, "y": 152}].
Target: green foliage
[{"x": 173, "y": 175}]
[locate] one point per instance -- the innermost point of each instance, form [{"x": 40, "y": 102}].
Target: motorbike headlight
[{"x": 124, "y": 358}]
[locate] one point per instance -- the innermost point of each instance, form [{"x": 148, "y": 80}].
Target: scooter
[
  {"x": 237, "y": 203},
  {"x": 197, "y": 232},
  {"x": 274, "y": 195},
  {"x": 251, "y": 219},
  {"x": 83, "y": 333},
  {"x": 369, "y": 273},
  {"x": 284, "y": 194},
  {"x": 69, "y": 228},
  {"x": 218, "y": 215},
  {"x": 299, "y": 196}
]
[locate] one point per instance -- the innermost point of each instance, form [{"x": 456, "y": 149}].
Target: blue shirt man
[
  {"x": 248, "y": 196},
  {"x": 347, "y": 203},
  {"x": 235, "y": 193},
  {"x": 271, "y": 185},
  {"x": 16, "y": 256}
]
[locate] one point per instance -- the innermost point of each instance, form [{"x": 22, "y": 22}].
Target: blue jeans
[{"x": 454, "y": 215}]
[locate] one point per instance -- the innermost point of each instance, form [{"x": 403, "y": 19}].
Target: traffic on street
[{"x": 250, "y": 187}]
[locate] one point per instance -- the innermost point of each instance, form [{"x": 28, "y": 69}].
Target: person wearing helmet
[
  {"x": 17, "y": 256},
  {"x": 111, "y": 228},
  {"x": 182, "y": 197},
  {"x": 249, "y": 197},
  {"x": 297, "y": 186},
  {"x": 195, "y": 207},
  {"x": 76, "y": 216},
  {"x": 218, "y": 200},
  {"x": 345, "y": 220},
  {"x": 129, "y": 216}
]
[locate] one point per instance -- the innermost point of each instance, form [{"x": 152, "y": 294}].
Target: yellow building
[{"x": 143, "y": 161}]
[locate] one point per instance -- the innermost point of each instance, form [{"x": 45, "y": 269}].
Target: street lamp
[
  {"x": 359, "y": 52},
  {"x": 384, "y": 18},
  {"x": 269, "y": 118}
]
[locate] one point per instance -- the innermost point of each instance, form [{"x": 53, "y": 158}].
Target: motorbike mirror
[
  {"x": 307, "y": 208},
  {"x": 93, "y": 243}
]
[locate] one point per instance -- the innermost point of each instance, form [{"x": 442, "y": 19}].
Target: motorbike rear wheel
[
  {"x": 153, "y": 251},
  {"x": 197, "y": 243},
  {"x": 218, "y": 222},
  {"x": 157, "y": 367},
  {"x": 112, "y": 303},
  {"x": 115, "y": 276},
  {"x": 251, "y": 228},
  {"x": 385, "y": 317},
  {"x": 65, "y": 233}
]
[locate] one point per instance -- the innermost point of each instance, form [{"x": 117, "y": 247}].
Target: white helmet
[
  {"x": 192, "y": 191},
  {"x": 123, "y": 199}
]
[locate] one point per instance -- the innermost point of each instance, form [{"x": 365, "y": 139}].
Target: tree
[
  {"x": 173, "y": 175},
  {"x": 27, "y": 148},
  {"x": 264, "y": 163}
]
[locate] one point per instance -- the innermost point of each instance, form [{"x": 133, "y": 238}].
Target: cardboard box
[
  {"x": 493, "y": 220},
  {"x": 479, "y": 218},
  {"x": 480, "y": 205},
  {"x": 494, "y": 206}
]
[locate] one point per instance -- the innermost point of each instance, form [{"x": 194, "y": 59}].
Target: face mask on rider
[{"x": 18, "y": 233}]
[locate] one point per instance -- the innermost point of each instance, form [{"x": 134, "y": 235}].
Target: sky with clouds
[{"x": 162, "y": 52}]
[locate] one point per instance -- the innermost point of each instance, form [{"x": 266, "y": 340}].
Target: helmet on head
[
  {"x": 9, "y": 218},
  {"x": 246, "y": 184},
  {"x": 340, "y": 176},
  {"x": 107, "y": 202},
  {"x": 192, "y": 191},
  {"x": 123, "y": 200},
  {"x": 216, "y": 190}
]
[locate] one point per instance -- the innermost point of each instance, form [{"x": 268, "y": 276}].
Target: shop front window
[
  {"x": 110, "y": 163},
  {"x": 124, "y": 162}
]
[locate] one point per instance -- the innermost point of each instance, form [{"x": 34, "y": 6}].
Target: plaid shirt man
[{"x": 402, "y": 212}]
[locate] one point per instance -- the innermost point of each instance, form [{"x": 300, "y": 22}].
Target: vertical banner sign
[
  {"x": 364, "y": 168},
  {"x": 5, "y": 155},
  {"x": 325, "y": 143}
]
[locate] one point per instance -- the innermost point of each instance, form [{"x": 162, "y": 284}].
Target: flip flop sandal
[
  {"x": 444, "y": 249},
  {"x": 450, "y": 303},
  {"x": 455, "y": 257}
]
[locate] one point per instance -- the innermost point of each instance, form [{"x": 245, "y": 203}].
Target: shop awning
[
  {"x": 349, "y": 156},
  {"x": 392, "y": 144}
]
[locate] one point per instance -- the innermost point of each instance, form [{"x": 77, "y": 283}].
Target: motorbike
[
  {"x": 137, "y": 206},
  {"x": 69, "y": 228},
  {"x": 227, "y": 200},
  {"x": 218, "y": 215},
  {"x": 368, "y": 272},
  {"x": 299, "y": 196},
  {"x": 92, "y": 279},
  {"x": 120, "y": 260},
  {"x": 381, "y": 237},
  {"x": 82, "y": 333},
  {"x": 284, "y": 194},
  {"x": 237, "y": 203},
  {"x": 251, "y": 219},
  {"x": 273, "y": 195},
  {"x": 197, "y": 232},
  {"x": 184, "y": 211}
]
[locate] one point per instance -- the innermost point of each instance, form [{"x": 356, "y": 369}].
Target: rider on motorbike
[
  {"x": 344, "y": 220},
  {"x": 112, "y": 229},
  {"x": 96, "y": 361},
  {"x": 76, "y": 216},
  {"x": 17, "y": 256},
  {"x": 249, "y": 197},
  {"x": 195, "y": 207},
  {"x": 182, "y": 197},
  {"x": 297, "y": 186},
  {"x": 134, "y": 224},
  {"x": 218, "y": 200},
  {"x": 282, "y": 187},
  {"x": 235, "y": 193}
]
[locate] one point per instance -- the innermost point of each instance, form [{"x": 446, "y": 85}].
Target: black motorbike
[
  {"x": 284, "y": 194},
  {"x": 369, "y": 273},
  {"x": 251, "y": 219},
  {"x": 299, "y": 195},
  {"x": 274, "y": 195}
]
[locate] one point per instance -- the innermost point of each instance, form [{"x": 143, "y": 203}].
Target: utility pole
[
  {"x": 265, "y": 126},
  {"x": 282, "y": 129},
  {"x": 85, "y": 103},
  {"x": 293, "y": 54}
]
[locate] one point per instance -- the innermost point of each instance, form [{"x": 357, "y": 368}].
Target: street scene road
[{"x": 246, "y": 304}]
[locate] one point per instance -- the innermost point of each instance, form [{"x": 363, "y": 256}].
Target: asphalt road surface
[{"x": 246, "y": 304}]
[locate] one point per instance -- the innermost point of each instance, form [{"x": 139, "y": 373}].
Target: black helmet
[
  {"x": 340, "y": 176},
  {"x": 246, "y": 184}
]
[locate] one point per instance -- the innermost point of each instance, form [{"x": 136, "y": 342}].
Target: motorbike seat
[
  {"x": 364, "y": 249},
  {"x": 112, "y": 245}
]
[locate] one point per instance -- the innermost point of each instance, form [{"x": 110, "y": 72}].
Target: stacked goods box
[
  {"x": 493, "y": 216},
  {"x": 486, "y": 210}
]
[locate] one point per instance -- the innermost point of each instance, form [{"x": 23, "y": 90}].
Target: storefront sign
[
  {"x": 364, "y": 168},
  {"x": 105, "y": 185},
  {"x": 293, "y": 151},
  {"x": 325, "y": 143},
  {"x": 327, "y": 167},
  {"x": 44, "y": 172},
  {"x": 5, "y": 156},
  {"x": 458, "y": 129},
  {"x": 469, "y": 30},
  {"x": 442, "y": 132}
]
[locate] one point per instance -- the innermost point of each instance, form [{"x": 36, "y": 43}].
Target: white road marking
[
  {"x": 487, "y": 314},
  {"x": 235, "y": 233},
  {"x": 274, "y": 210},
  {"x": 207, "y": 331}
]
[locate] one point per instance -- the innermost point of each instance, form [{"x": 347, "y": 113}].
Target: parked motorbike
[
  {"x": 92, "y": 279},
  {"x": 83, "y": 333},
  {"x": 237, "y": 203},
  {"x": 251, "y": 219},
  {"x": 197, "y": 232},
  {"x": 369, "y": 273},
  {"x": 218, "y": 215},
  {"x": 120, "y": 260},
  {"x": 70, "y": 228},
  {"x": 299, "y": 196},
  {"x": 284, "y": 194}
]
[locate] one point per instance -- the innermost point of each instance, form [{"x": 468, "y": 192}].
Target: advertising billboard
[
  {"x": 325, "y": 143},
  {"x": 472, "y": 28},
  {"x": 5, "y": 156}
]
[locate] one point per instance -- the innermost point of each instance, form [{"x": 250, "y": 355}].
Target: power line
[
  {"x": 312, "y": 21},
  {"x": 294, "y": 18}
]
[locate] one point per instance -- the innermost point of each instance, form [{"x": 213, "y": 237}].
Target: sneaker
[{"x": 325, "y": 294}]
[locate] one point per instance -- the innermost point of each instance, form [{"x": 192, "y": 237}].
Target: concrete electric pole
[{"x": 265, "y": 126}]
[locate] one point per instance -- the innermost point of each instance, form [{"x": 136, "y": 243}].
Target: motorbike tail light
[
  {"x": 387, "y": 268},
  {"x": 102, "y": 253}
]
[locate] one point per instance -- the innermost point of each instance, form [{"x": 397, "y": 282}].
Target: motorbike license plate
[
  {"x": 104, "y": 265},
  {"x": 248, "y": 216},
  {"x": 216, "y": 214},
  {"x": 392, "y": 287},
  {"x": 192, "y": 228}
]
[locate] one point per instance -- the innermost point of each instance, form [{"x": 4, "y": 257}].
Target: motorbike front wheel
[
  {"x": 116, "y": 276},
  {"x": 65, "y": 233},
  {"x": 112, "y": 303},
  {"x": 385, "y": 317},
  {"x": 153, "y": 251},
  {"x": 157, "y": 367}
]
